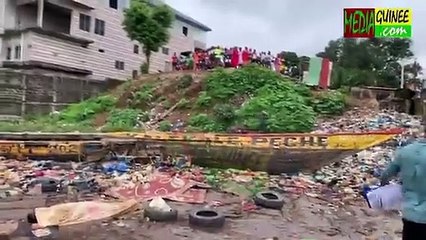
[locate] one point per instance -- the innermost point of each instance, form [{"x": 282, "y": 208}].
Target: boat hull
[{"x": 273, "y": 153}]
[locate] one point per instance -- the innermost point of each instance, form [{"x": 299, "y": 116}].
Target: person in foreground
[{"x": 410, "y": 164}]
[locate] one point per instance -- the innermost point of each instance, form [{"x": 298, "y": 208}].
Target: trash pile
[
  {"x": 175, "y": 179},
  {"x": 362, "y": 120},
  {"x": 343, "y": 181}
]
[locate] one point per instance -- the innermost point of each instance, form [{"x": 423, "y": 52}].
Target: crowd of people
[{"x": 226, "y": 57}]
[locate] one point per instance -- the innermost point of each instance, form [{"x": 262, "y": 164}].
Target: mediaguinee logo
[{"x": 377, "y": 22}]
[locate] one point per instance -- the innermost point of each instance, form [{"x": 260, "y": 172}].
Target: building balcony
[
  {"x": 39, "y": 49},
  {"x": 84, "y": 4}
]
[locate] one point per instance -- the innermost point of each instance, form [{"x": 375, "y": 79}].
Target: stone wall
[{"x": 31, "y": 92}]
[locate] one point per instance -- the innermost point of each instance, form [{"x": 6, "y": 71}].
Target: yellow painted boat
[{"x": 274, "y": 153}]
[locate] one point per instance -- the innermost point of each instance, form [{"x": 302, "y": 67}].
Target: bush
[
  {"x": 144, "y": 96},
  {"x": 224, "y": 113},
  {"x": 202, "y": 122},
  {"x": 124, "y": 119},
  {"x": 277, "y": 111},
  {"x": 165, "y": 126},
  {"x": 203, "y": 100},
  {"x": 329, "y": 103},
  {"x": 85, "y": 110}
]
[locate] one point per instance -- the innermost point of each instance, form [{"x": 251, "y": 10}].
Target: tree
[
  {"x": 368, "y": 61},
  {"x": 291, "y": 58},
  {"x": 149, "y": 25}
]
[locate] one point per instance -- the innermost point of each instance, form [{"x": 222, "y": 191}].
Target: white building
[{"x": 84, "y": 37}]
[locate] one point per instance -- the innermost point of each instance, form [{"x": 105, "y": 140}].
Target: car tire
[
  {"x": 160, "y": 216},
  {"x": 207, "y": 218},
  {"x": 269, "y": 199}
]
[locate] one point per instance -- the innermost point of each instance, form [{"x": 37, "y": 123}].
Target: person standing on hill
[
  {"x": 246, "y": 56},
  {"x": 174, "y": 61},
  {"x": 240, "y": 57},
  {"x": 410, "y": 165},
  {"x": 235, "y": 58},
  {"x": 195, "y": 60},
  {"x": 277, "y": 63}
]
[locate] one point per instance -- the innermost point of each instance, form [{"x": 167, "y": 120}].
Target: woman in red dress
[
  {"x": 246, "y": 56},
  {"x": 234, "y": 58}
]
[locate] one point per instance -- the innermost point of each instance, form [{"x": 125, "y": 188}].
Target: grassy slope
[{"x": 205, "y": 100}]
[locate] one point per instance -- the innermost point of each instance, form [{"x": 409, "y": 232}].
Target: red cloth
[
  {"x": 234, "y": 58},
  {"x": 246, "y": 57},
  {"x": 324, "y": 75},
  {"x": 162, "y": 184}
]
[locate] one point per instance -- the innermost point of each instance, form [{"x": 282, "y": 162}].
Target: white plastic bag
[{"x": 388, "y": 197}]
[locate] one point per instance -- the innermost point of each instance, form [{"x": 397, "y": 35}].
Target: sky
[{"x": 302, "y": 26}]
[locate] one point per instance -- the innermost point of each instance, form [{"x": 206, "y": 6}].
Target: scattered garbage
[{"x": 176, "y": 179}]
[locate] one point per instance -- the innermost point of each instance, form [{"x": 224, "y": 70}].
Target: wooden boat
[{"x": 274, "y": 153}]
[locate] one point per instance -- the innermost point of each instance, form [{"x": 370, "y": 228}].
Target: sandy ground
[{"x": 302, "y": 218}]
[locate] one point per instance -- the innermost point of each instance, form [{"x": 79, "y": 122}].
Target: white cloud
[{"x": 304, "y": 26}]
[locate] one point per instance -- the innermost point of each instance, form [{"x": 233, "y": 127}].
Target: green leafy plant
[
  {"x": 124, "y": 119},
  {"x": 165, "y": 126},
  {"x": 204, "y": 123},
  {"x": 224, "y": 114},
  {"x": 277, "y": 114},
  {"x": 85, "y": 110},
  {"x": 329, "y": 103},
  {"x": 144, "y": 96},
  {"x": 203, "y": 100}
]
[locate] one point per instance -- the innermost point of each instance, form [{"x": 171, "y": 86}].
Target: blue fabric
[
  {"x": 120, "y": 167},
  {"x": 410, "y": 164}
]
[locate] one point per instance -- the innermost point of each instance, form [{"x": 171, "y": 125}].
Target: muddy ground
[{"x": 301, "y": 218}]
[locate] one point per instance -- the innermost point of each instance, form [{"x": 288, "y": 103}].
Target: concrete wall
[{"x": 27, "y": 92}]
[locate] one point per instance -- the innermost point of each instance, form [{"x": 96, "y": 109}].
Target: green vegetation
[
  {"x": 83, "y": 111},
  {"x": 369, "y": 62},
  {"x": 251, "y": 98},
  {"x": 149, "y": 25},
  {"x": 272, "y": 103},
  {"x": 124, "y": 120}
]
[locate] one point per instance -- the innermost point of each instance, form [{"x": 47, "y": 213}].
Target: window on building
[
  {"x": 185, "y": 31},
  {"x": 99, "y": 27},
  {"x": 165, "y": 50},
  {"x": 85, "y": 22},
  {"x": 119, "y": 65},
  {"x": 9, "y": 53},
  {"x": 113, "y": 4},
  {"x": 136, "y": 49},
  {"x": 18, "y": 52}
]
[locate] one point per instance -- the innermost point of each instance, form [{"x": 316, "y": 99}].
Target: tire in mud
[
  {"x": 160, "y": 216},
  {"x": 206, "y": 218},
  {"x": 269, "y": 199}
]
